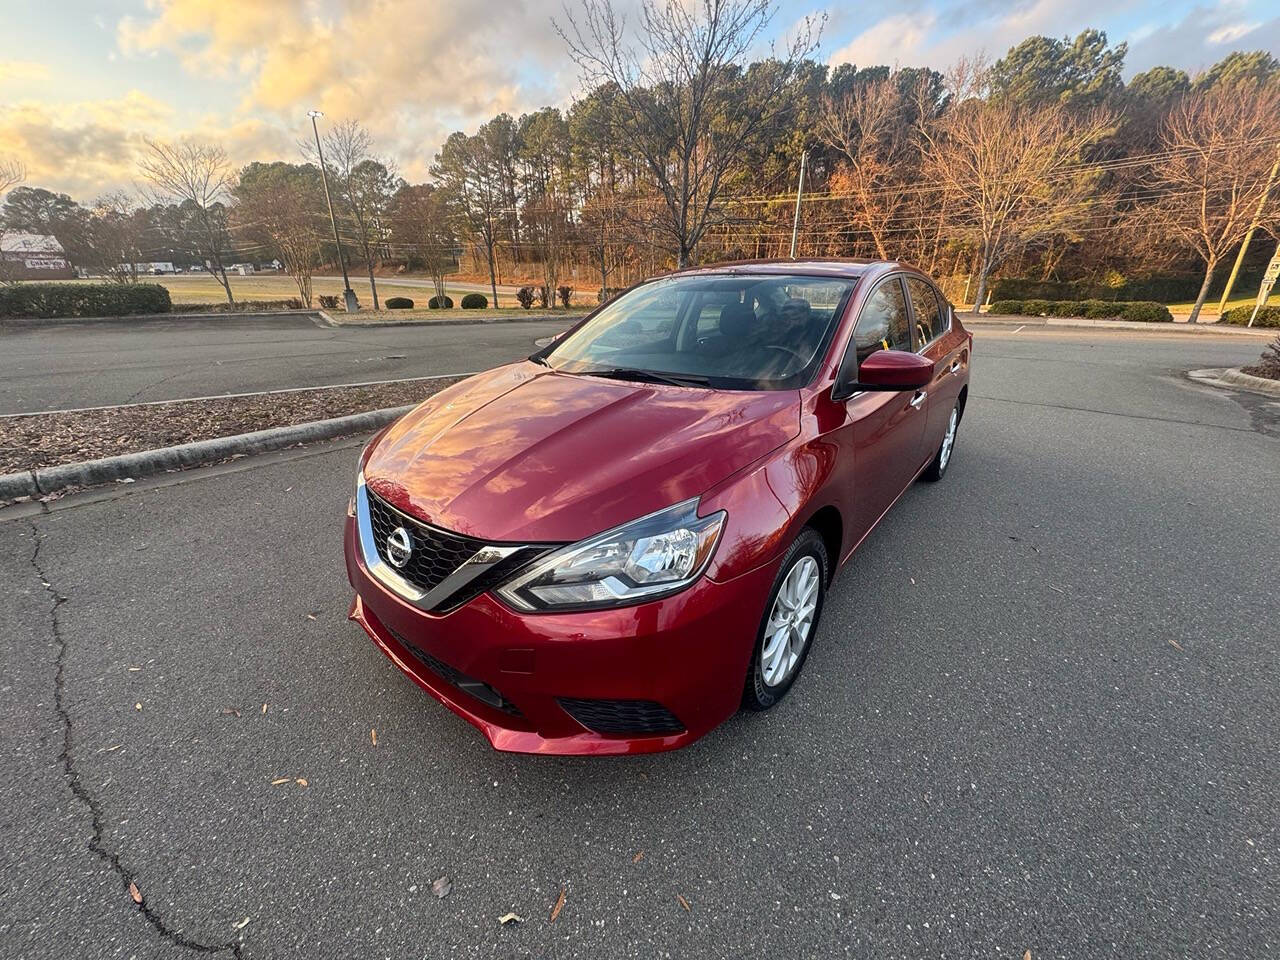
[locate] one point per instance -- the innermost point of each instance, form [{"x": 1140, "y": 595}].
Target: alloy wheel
[
  {"x": 949, "y": 440},
  {"x": 790, "y": 622}
]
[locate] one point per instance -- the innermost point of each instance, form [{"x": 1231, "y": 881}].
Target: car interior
[{"x": 749, "y": 332}]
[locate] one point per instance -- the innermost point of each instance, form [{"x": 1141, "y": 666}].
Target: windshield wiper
[
  {"x": 539, "y": 359},
  {"x": 649, "y": 376}
]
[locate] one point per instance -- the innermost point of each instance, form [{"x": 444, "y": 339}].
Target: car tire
[
  {"x": 937, "y": 468},
  {"x": 773, "y": 670}
]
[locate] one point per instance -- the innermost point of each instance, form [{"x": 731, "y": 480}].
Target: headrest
[
  {"x": 736, "y": 319},
  {"x": 796, "y": 310}
]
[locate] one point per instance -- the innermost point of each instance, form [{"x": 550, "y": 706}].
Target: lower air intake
[{"x": 622, "y": 716}]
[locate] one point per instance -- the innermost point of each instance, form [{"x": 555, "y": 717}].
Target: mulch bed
[{"x": 38, "y": 440}]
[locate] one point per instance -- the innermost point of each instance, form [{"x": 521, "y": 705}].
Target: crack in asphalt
[{"x": 128, "y": 879}]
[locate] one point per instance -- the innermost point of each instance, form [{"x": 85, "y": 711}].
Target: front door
[{"x": 886, "y": 429}]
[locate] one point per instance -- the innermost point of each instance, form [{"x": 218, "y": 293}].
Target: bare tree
[
  {"x": 604, "y": 231},
  {"x": 688, "y": 108},
  {"x": 199, "y": 174},
  {"x": 1018, "y": 174},
  {"x": 422, "y": 226},
  {"x": 114, "y": 234},
  {"x": 866, "y": 126},
  {"x": 365, "y": 186},
  {"x": 1219, "y": 146},
  {"x": 12, "y": 172},
  {"x": 278, "y": 205}
]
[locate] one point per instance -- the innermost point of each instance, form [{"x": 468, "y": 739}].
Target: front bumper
[{"x": 688, "y": 653}]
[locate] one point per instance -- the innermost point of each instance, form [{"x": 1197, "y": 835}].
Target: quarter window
[
  {"x": 929, "y": 317},
  {"x": 884, "y": 323}
]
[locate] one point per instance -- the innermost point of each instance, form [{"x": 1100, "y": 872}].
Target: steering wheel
[{"x": 788, "y": 351}]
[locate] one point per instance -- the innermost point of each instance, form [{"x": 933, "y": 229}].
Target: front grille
[
  {"x": 436, "y": 553},
  {"x": 456, "y": 678},
  {"x": 622, "y": 716}
]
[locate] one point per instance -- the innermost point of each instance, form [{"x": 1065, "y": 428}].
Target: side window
[
  {"x": 930, "y": 320},
  {"x": 884, "y": 323}
]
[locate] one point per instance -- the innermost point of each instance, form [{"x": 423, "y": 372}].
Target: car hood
[{"x": 525, "y": 454}]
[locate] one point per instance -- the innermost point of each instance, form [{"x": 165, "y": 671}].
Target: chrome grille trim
[{"x": 488, "y": 556}]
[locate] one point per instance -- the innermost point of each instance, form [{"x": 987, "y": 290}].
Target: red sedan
[{"x": 613, "y": 545}]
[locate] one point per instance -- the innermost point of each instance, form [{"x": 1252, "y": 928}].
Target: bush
[
  {"x": 240, "y": 306},
  {"x": 436, "y": 303},
  {"x": 1268, "y": 317},
  {"x": 83, "y": 299},
  {"x": 1141, "y": 311},
  {"x": 608, "y": 293},
  {"x": 1268, "y": 364},
  {"x": 329, "y": 301},
  {"x": 398, "y": 303},
  {"x": 565, "y": 294},
  {"x": 475, "y": 301},
  {"x": 1166, "y": 289},
  {"x": 525, "y": 296}
]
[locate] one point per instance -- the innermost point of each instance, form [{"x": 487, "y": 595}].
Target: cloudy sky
[{"x": 82, "y": 82}]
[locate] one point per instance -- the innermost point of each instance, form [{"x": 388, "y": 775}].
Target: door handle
[
  {"x": 918, "y": 400},
  {"x": 955, "y": 367}
]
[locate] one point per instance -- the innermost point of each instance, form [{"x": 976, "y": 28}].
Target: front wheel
[
  {"x": 938, "y": 466},
  {"x": 790, "y": 621}
]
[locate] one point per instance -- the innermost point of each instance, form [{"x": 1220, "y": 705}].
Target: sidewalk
[{"x": 1177, "y": 327}]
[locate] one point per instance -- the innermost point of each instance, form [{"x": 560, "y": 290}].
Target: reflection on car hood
[{"x": 522, "y": 453}]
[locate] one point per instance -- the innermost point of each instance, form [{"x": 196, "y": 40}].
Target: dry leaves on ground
[
  {"x": 510, "y": 918},
  {"x": 135, "y": 893},
  {"x": 555, "y": 911},
  {"x": 442, "y": 887},
  {"x": 46, "y": 439},
  {"x": 684, "y": 903}
]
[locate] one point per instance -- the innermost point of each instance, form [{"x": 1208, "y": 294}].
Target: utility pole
[
  {"x": 348, "y": 295},
  {"x": 795, "y": 221},
  {"x": 1244, "y": 247}
]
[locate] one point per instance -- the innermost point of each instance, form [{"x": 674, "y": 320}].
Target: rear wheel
[
  {"x": 938, "y": 467},
  {"x": 790, "y": 621}
]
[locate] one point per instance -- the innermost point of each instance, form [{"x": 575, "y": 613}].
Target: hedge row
[
  {"x": 240, "y": 306},
  {"x": 1239, "y": 317},
  {"x": 1140, "y": 310},
  {"x": 82, "y": 299},
  {"x": 1162, "y": 289}
]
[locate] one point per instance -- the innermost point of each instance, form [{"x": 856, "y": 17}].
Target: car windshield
[{"x": 728, "y": 331}]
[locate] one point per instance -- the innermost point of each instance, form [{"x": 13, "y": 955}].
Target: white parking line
[
  {"x": 1021, "y": 328},
  {"x": 231, "y": 396}
]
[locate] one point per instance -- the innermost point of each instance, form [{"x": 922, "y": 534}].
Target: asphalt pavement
[
  {"x": 1042, "y": 714},
  {"x": 60, "y": 366}
]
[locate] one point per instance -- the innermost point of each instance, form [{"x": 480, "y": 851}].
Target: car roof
[{"x": 819, "y": 266}]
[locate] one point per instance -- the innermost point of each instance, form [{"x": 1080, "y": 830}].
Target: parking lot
[
  {"x": 66, "y": 365},
  {"x": 1041, "y": 713}
]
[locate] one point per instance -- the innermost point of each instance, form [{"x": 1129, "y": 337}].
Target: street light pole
[
  {"x": 348, "y": 295},
  {"x": 795, "y": 221}
]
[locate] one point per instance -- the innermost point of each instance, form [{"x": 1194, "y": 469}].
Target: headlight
[{"x": 647, "y": 558}]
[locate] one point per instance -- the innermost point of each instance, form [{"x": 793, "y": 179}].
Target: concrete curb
[
  {"x": 447, "y": 322},
  {"x": 1238, "y": 378},
  {"x": 33, "y": 483},
  {"x": 1233, "y": 378},
  {"x": 154, "y": 317},
  {"x": 1083, "y": 323}
]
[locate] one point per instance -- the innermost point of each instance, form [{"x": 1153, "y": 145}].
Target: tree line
[{"x": 1043, "y": 163}]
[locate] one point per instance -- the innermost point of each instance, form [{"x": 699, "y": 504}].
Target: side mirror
[{"x": 888, "y": 370}]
